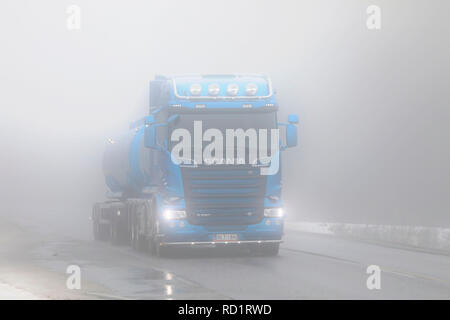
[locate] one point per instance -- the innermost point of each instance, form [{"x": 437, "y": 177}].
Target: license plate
[{"x": 225, "y": 237}]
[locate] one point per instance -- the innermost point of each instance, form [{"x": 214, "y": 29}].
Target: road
[{"x": 34, "y": 257}]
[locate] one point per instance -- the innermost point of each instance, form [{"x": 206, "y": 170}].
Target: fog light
[
  {"x": 170, "y": 214},
  {"x": 273, "y": 212}
]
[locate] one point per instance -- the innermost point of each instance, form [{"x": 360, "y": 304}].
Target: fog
[{"x": 373, "y": 104}]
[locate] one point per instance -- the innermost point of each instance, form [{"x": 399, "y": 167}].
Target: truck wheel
[
  {"x": 134, "y": 238},
  {"x": 138, "y": 241},
  {"x": 153, "y": 247},
  {"x": 114, "y": 234},
  {"x": 270, "y": 249},
  {"x": 161, "y": 251},
  {"x": 101, "y": 231},
  {"x": 119, "y": 234},
  {"x": 95, "y": 230},
  {"x": 141, "y": 243}
]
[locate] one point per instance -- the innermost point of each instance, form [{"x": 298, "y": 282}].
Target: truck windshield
[
  {"x": 266, "y": 120},
  {"x": 225, "y": 121}
]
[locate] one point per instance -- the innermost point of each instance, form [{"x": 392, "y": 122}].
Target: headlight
[
  {"x": 232, "y": 89},
  {"x": 170, "y": 214},
  {"x": 273, "y": 212},
  {"x": 196, "y": 89},
  {"x": 251, "y": 89},
  {"x": 213, "y": 89}
]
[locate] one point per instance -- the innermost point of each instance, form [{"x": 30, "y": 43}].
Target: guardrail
[{"x": 413, "y": 236}]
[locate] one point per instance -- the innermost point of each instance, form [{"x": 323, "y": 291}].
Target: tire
[
  {"x": 152, "y": 250},
  {"x": 102, "y": 232},
  {"x": 119, "y": 232},
  {"x": 133, "y": 237},
  {"x": 138, "y": 241},
  {"x": 114, "y": 237},
  {"x": 95, "y": 226},
  {"x": 95, "y": 230},
  {"x": 160, "y": 251},
  {"x": 153, "y": 244}
]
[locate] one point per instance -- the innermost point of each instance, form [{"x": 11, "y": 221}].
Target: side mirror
[
  {"x": 291, "y": 135},
  {"x": 293, "y": 118}
]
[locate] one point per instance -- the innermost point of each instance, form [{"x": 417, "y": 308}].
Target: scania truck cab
[{"x": 203, "y": 168}]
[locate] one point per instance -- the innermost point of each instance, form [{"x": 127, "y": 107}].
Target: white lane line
[
  {"x": 387, "y": 270},
  {"x": 107, "y": 296},
  {"x": 416, "y": 276}
]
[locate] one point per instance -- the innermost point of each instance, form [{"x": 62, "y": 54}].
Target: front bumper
[
  {"x": 216, "y": 243},
  {"x": 182, "y": 233}
]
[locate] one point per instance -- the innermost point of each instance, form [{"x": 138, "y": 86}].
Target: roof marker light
[
  {"x": 232, "y": 89},
  {"x": 213, "y": 89},
  {"x": 251, "y": 89},
  {"x": 195, "y": 89}
]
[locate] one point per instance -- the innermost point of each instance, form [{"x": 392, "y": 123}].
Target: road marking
[
  {"x": 388, "y": 270},
  {"x": 108, "y": 296},
  {"x": 416, "y": 275}
]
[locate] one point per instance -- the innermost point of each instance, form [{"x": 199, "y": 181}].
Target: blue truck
[{"x": 203, "y": 168}]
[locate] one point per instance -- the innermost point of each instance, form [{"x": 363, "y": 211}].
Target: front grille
[{"x": 224, "y": 194}]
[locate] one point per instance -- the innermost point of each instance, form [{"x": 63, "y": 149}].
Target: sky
[{"x": 373, "y": 104}]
